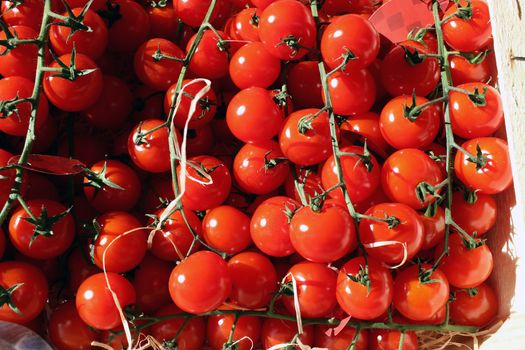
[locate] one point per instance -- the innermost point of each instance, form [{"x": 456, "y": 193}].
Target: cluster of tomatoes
[{"x": 327, "y": 195}]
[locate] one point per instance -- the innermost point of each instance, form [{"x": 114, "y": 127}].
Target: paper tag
[{"x": 50, "y": 164}]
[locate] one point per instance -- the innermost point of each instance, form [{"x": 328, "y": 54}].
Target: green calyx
[
  {"x": 44, "y": 223},
  {"x": 6, "y": 297},
  {"x": 70, "y": 72},
  {"x": 99, "y": 180},
  {"x": 362, "y": 277}
]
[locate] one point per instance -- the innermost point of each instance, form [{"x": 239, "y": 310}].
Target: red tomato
[
  {"x": 219, "y": 327},
  {"x": 96, "y": 304},
  {"x": 275, "y": 331},
  {"x": 29, "y": 298},
  {"x": 304, "y": 84},
  {"x": 352, "y": 92},
  {"x": 470, "y": 119},
  {"x": 200, "y": 141},
  {"x": 227, "y": 229},
  {"x": 76, "y": 95},
  {"x": 67, "y": 331},
  {"x": 408, "y": 230},
  {"x": 287, "y": 29},
  {"x": 353, "y": 293},
  {"x": 464, "y": 266},
  {"x": 253, "y": 65},
  {"x": 20, "y": 61},
  {"x": 367, "y": 126},
  {"x": 403, "y": 171},
  {"x": 192, "y": 12},
  {"x": 462, "y": 71},
  {"x": 29, "y": 13},
  {"x": 210, "y": 59},
  {"x": 350, "y": 34},
  {"x": 322, "y": 236},
  {"x": 477, "y": 217},
  {"x": 492, "y": 177},
  {"x": 259, "y": 167},
  {"x": 200, "y": 283},
  {"x": 17, "y": 123},
  {"x": 253, "y": 280},
  {"x": 311, "y": 145},
  {"x": 130, "y": 29},
  {"x": 244, "y": 26},
  {"x": 48, "y": 237},
  {"x": 191, "y": 337},
  {"x": 95, "y": 5},
  {"x": 434, "y": 228},
  {"x": 419, "y": 297},
  {"x": 474, "y": 310},
  {"x": 163, "y": 21},
  {"x": 468, "y": 34},
  {"x": 253, "y": 115},
  {"x": 341, "y": 340},
  {"x": 401, "y": 132},
  {"x": 152, "y": 154},
  {"x": 309, "y": 179},
  {"x": 79, "y": 267},
  {"x": 151, "y": 283},
  {"x": 146, "y": 103},
  {"x": 2, "y": 243},
  {"x": 384, "y": 339},
  {"x": 360, "y": 181}
]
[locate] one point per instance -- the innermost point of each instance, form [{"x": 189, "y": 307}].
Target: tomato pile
[{"x": 239, "y": 174}]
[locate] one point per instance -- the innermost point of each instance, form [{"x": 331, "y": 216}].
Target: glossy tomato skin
[
  {"x": 419, "y": 300},
  {"x": 107, "y": 198},
  {"x": 243, "y": 25},
  {"x": 30, "y": 298},
  {"x": 477, "y": 310},
  {"x": 253, "y": 65},
  {"x": 20, "y": 61},
  {"x": 253, "y": 280},
  {"x": 227, "y": 229},
  {"x": 42, "y": 247},
  {"x": 151, "y": 283},
  {"x": 367, "y": 126},
  {"x": 275, "y": 331},
  {"x": 95, "y": 5},
  {"x": 152, "y": 154},
  {"x": 323, "y": 236},
  {"x": 163, "y": 22},
  {"x": 191, "y": 337},
  {"x": 310, "y": 180},
  {"x": 67, "y": 331},
  {"x": 192, "y": 12},
  {"x": 200, "y": 283},
  {"x": 283, "y": 19},
  {"x": 464, "y": 267},
  {"x": 253, "y": 115},
  {"x": 434, "y": 228},
  {"x": 270, "y": 229},
  {"x": 404, "y": 170},
  {"x": 470, "y": 120},
  {"x": 76, "y": 95},
  {"x": 132, "y": 28},
  {"x": 467, "y": 35},
  {"x": 95, "y": 303},
  {"x": 462, "y": 71},
  {"x": 383, "y": 339},
  {"x": 478, "y": 217},
  {"x": 304, "y": 84},
  {"x": 254, "y": 171},
  {"x": 341, "y": 340},
  {"x": 17, "y": 123},
  {"x": 351, "y": 92},
  {"x": 209, "y": 60},
  {"x": 495, "y": 176},
  {"x": 355, "y": 298},
  {"x": 409, "y": 231},
  {"x": 350, "y": 33},
  {"x": 400, "y": 132},
  {"x": 219, "y": 327}
]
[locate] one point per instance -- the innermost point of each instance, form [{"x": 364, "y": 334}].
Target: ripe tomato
[
  {"x": 384, "y": 339},
  {"x": 465, "y": 267},
  {"x": 360, "y": 181},
  {"x": 200, "y": 283},
  {"x": 270, "y": 229},
  {"x": 316, "y": 285},
  {"x": 322, "y": 236},
  {"x": 492, "y": 177},
  {"x": 409, "y": 230},
  {"x": 434, "y": 228},
  {"x": 418, "y": 296},
  {"x": 210, "y": 59},
  {"x": 90, "y": 43},
  {"x": 304, "y": 84},
  {"x": 477, "y": 217},
  {"x": 311, "y": 184},
  {"x": 351, "y": 92},
  {"x": 227, "y": 229},
  {"x": 67, "y": 331},
  {"x": 95, "y": 303},
  {"x": 2, "y": 243},
  {"x": 353, "y": 293},
  {"x": 470, "y": 119},
  {"x": 244, "y": 26},
  {"x": 29, "y": 13},
  {"x": 402, "y": 173},
  {"x": 192, "y": 12},
  {"x": 163, "y": 21},
  {"x": 468, "y": 34},
  {"x": 76, "y": 95},
  {"x": 53, "y": 236},
  {"x": 259, "y": 167},
  {"x": 17, "y": 123},
  {"x": 205, "y": 195},
  {"x": 152, "y": 153},
  {"x": 462, "y": 71},
  {"x": 401, "y": 77},
  {"x": 130, "y": 29},
  {"x": 95, "y": 5},
  {"x": 474, "y": 310},
  {"x": 350, "y": 34},
  {"x": 20, "y": 61},
  {"x": 29, "y": 298},
  {"x": 366, "y": 125},
  {"x": 341, "y": 340},
  {"x": 191, "y": 337},
  {"x": 79, "y": 268},
  {"x": 401, "y": 132},
  {"x": 106, "y": 198},
  {"x": 219, "y": 327},
  {"x": 287, "y": 29},
  {"x": 310, "y": 146},
  {"x": 253, "y": 65},
  {"x": 151, "y": 283},
  {"x": 275, "y": 331},
  {"x": 253, "y": 280}
]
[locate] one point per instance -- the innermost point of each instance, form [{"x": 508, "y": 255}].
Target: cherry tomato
[
  {"x": 227, "y": 229},
  {"x": 200, "y": 283},
  {"x": 244, "y": 24},
  {"x": 477, "y": 217},
  {"x": 30, "y": 296},
  {"x": 341, "y": 340},
  {"x": 67, "y": 331},
  {"x": 95, "y": 5},
  {"x": 219, "y": 327},
  {"x": 210, "y": 59},
  {"x": 276, "y": 332},
  {"x": 353, "y": 293},
  {"x": 475, "y": 310},
  {"x": 151, "y": 152},
  {"x": 2, "y": 243},
  {"x": 253, "y": 65},
  {"x": 192, "y": 12},
  {"x": 367, "y": 126},
  {"x": 20, "y": 61},
  {"x": 151, "y": 283},
  {"x": 462, "y": 71},
  {"x": 29, "y": 13},
  {"x": 79, "y": 267},
  {"x": 130, "y": 29},
  {"x": 351, "y": 93},
  {"x": 434, "y": 228},
  {"x": 163, "y": 21},
  {"x": 96, "y": 304},
  {"x": 304, "y": 84},
  {"x": 494, "y": 174},
  {"x": 310, "y": 181},
  {"x": 384, "y": 339},
  {"x": 200, "y": 141}
]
